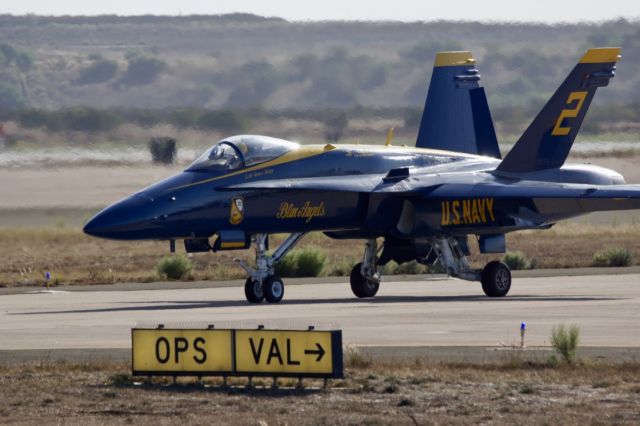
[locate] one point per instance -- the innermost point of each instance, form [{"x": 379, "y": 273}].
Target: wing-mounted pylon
[{"x": 456, "y": 114}]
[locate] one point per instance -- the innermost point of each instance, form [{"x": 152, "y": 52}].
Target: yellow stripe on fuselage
[
  {"x": 233, "y": 244},
  {"x": 303, "y": 152},
  {"x": 601, "y": 55},
  {"x": 307, "y": 151}
]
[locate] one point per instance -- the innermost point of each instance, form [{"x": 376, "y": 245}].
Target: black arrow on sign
[{"x": 319, "y": 352}]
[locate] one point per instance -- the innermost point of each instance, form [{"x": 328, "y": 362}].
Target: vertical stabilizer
[
  {"x": 456, "y": 114},
  {"x": 548, "y": 139}
]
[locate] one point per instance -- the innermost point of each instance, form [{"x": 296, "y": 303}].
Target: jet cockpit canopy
[{"x": 241, "y": 151}]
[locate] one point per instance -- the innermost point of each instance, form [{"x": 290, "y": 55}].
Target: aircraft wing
[
  {"x": 353, "y": 183},
  {"x": 616, "y": 196},
  {"x": 442, "y": 187}
]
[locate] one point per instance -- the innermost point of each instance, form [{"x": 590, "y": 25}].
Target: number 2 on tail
[{"x": 558, "y": 130}]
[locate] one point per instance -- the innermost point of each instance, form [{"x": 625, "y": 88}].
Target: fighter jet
[{"x": 422, "y": 202}]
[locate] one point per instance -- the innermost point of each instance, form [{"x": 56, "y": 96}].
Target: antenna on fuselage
[{"x": 389, "y": 137}]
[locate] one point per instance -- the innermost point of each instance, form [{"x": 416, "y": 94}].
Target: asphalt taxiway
[{"x": 435, "y": 312}]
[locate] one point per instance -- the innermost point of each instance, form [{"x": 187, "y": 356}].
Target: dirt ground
[
  {"x": 416, "y": 393},
  {"x": 75, "y": 258}
]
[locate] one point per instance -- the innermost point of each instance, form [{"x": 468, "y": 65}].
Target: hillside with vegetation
[{"x": 219, "y": 72}]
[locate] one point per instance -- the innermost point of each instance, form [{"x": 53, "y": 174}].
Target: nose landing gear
[{"x": 262, "y": 283}]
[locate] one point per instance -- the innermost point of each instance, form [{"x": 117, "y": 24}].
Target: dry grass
[
  {"x": 74, "y": 258},
  {"x": 573, "y": 245},
  {"x": 381, "y": 393}
]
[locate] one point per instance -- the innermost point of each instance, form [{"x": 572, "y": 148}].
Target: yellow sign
[
  {"x": 269, "y": 351},
  {"x": 297, "y": 353},
  {"x": 558, "y": 130},
  {"x": 183, "y": 351},
  {"x": 468, "y": 212},
  {"x": 307, "y": 211}
]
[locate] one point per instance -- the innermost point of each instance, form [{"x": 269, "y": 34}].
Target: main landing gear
[
  {"x": 262, "y": 283},
  {"x": 495, "y": 277},
  {"x": 365, "y": 279}
]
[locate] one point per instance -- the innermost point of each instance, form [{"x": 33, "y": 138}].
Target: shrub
[
  {"x": 436, "y": 268},
  {"x": 120, "y": 379},
  {"x": 163, "y": 150},
  {"x": 174, "y": 267},
  {"x": 516, "y": 260},
  {"x": 405, "y": 402},
  {"x": 406, "y": 268},
  {"x": 409, "y": 268},
  {"x": 287, "y": 266},
  {"x": 613, "y": 256},
  {"x": 310, "y": 262},
  {"x": 223, "y": 121},
  {"x": 341, "y": 268},
  {"x": 354, "y": 359},
  {"x": 565, "y": 341}
]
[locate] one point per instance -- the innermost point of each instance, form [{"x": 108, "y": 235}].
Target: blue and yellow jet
[{"x": 423, "y": 201}]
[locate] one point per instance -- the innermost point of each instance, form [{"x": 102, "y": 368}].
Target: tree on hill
[
  {"x": 8, "y": 53},
  {"x": 100, "y": 70},
  {"x": 337, "y": 78},
  {"x": 255, "y": 82},
  {"x": 10, "y": 97},
  {"x": 142, "y": 69},
  {"x": 424, "y": 52},
  {"x": 24, "y": 61}
]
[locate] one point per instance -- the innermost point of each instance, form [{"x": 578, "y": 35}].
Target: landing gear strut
[
  {"x": 262, "y": 282},
  {"x": 495, "y": 277},
  {"x": 365, "y": 279}
]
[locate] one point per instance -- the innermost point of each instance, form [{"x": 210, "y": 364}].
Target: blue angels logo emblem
[{"x": 236, "y": 212}]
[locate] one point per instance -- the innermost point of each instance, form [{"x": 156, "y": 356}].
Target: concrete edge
[{"x": 188, "y": 285}]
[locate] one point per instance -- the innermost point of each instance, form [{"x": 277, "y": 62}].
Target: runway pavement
[{"x": 443, "y": 312}]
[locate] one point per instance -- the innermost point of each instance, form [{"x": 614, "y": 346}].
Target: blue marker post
[
  {"x": 523, "y": 328},
  {"x": 47, "y": 278}
]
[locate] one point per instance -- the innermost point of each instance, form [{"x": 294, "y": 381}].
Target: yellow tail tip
[
  {"x": 450, "y": 59},
  {"x": 601, "y": 55}
]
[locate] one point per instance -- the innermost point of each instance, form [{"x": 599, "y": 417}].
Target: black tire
[
  {"x": 273, "y": 288},
  {"x": 496, "y": 279},
  {"x": 361, "y": 286},
  {"x": 253, "y": 291}
]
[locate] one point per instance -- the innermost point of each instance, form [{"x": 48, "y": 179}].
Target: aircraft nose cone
[
  {"x": 100, "y": 225},
  {"x": 123, "y": 220}
]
